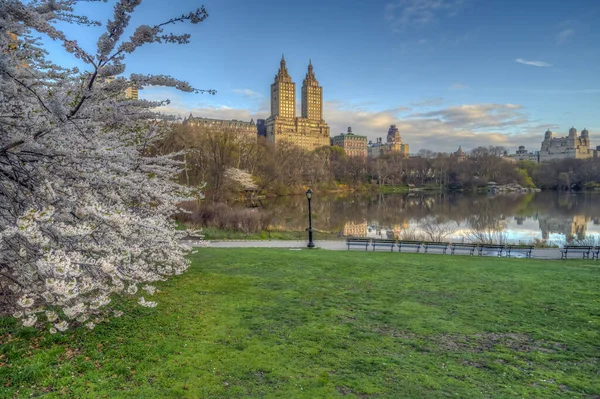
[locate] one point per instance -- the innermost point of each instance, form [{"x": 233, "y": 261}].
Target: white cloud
[
  {"x": 405, "y": 14},
  {"x": 533, "y": 63},
  {"x": 444, "y": 129},
  {"x": 563, "y": 35},
  {"x": 435, "y": 128},
  {"x": 458, "y": 86}
]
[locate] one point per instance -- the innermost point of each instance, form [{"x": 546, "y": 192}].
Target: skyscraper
[
  {"x": 308, "y": 131},
  {"x": 312, "y": 96}
]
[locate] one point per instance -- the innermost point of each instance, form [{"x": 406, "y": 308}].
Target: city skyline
[{"x": 449, "y": 72}]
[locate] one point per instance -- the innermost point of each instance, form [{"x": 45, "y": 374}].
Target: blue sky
[{"x": 447, "y": 72}]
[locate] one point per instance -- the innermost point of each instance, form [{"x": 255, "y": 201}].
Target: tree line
[{"x": 285, "y": 168}]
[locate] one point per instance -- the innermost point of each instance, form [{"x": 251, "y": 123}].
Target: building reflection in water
[
  {"x": 571, "y": 227},
  {"x": 353, "y": 229},
  {"x": 560, "y": 217}
]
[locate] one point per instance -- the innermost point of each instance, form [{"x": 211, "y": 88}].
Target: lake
[{"x": 552, "y": 217}]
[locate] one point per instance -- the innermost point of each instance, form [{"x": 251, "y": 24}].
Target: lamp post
[{"x": 311, "y": 244}]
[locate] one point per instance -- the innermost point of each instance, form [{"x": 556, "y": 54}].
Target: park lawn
[{"x": 267, "y": 323}]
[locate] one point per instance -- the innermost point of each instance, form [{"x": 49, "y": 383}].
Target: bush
[{"x": 225, "y": 217}]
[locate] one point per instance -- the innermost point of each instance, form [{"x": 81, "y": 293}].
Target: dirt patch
[
  {"x": 476, "y": 343},
  {"x": 485, "y": 342},
  {"x": 347, "y": 391}
]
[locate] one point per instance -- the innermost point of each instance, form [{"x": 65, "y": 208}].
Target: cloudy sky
[{"x": 446, "y": 72}]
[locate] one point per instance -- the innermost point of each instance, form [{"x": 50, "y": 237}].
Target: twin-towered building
[{"x": 309, "y": 131}]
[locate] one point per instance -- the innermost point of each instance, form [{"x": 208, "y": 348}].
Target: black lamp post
[{"x": 311, "y": 244}]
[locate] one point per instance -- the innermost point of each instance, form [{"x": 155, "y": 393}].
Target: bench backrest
[
  {"x": 585, "y": 247},
  {"x": 362, "y": 240},
  {"x": 436, "y": 243},
  {"x": 460, "y": 244},
  {"x": 409, "y": 242},
  {"x": 384, "y": 241}
]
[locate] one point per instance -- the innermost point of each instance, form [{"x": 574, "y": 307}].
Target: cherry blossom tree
[{"x": 85, "y": 210}]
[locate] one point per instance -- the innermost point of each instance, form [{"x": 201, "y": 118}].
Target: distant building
[
  {"x": 261, "y": 127},
  {"x": 243, "y": 128},
  {"x": 460, "y": 154},
  {"x": 353, "y": 145},
  {"x": 131, "y": 93},
  {"x": 523, "y": 155},
  {"x": 570, "y": 147},
  {"x": 310, "y": 130},
  {"x": 393, "y": 144}
]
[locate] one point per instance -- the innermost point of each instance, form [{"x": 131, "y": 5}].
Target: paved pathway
[{"x": 546, "y": 253}]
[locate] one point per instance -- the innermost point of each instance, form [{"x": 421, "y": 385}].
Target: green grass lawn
[{"x": 250, "y": 323}]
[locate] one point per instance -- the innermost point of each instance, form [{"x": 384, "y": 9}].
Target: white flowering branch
[{"x": 85, "y": 211}]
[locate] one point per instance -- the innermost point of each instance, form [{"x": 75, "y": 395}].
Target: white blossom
[
  {"x": 25, "y": 302},
  {"x": 145, "y": 303},
  {"x": 51, "y": 315},
  {"x": 149, "y": 289},
  {"x": 53, "y": 330},
  {"x": 72, "y": 311},
  {"x": 30, "y": 321},
  {"x": 90, "y": 325},
  {"x": 62, "y": 326},
  {"x": 132, "y": 289}
]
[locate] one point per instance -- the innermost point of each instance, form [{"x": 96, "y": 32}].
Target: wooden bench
[
  {"x": 359, "y": 241},
  {"x": 519, "y": 249},
  {"x": 493, "y": 247},
  {"x": 380, "y": 242},
  {"x": 584, "y": 250},
  {"x": 436, "y": 245},
  {"x": 409, "y": 244},
  {"x": 463, "y": 246}
]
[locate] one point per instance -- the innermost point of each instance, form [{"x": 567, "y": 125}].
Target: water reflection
[{"x": 550, "y": 216}]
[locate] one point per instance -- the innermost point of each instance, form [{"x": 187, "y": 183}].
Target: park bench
[
  {"x": 409, "y": 244},
  {"x": 491, "y": 247},
  {"x": 519, "y": 249},
  {"x": 359, "y": 241},
  {"x": 584, "y": 250},
  {"x": 436, "y": 245},
  {"x": 463, "y": 247},
  {"x": 595, "y": 253},
  {"x": 380, "y": 242}
]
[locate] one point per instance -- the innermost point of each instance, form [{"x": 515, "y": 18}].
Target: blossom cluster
[{"x": 85, "y": 208}]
